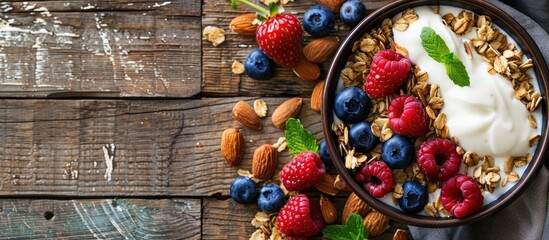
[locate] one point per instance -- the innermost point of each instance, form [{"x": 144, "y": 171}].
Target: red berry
[
  {"x": 408, "y": 117},
  {"x": 388, "y": 72},
  {"x": 280, "y": 39},
  {"x": 300, "y": 217},
  {"x": 376, "y": 178},
  {"x": 304, "y": 171},
  {"x": 461, "y": 196},
  {"x": 438, "y": 159}
]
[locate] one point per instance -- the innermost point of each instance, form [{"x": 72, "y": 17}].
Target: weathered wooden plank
[
  {"x": 100, "y": 219},
  {"x": 99, "y": 54},
  {"x": 226, "y": 219},
  {"x": 163, "y": 147},
  {"x": 217, "y": 61}
]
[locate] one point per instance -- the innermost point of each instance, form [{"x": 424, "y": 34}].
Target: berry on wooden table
[
  {"x": 258, "y": 66},
  {"x": 388, "y": 72},
  {"x": 300, "y": 217},
  {"x": 243, "y": 190},
  {"x": 352, "y": 12},
  {"x": 324, "y": 154},
  {"x": 271, "y": 198},
  {"x": 279, "y": 36},
  {"x": 318, "y": 21},
  {"x": 304, "y": 171}
]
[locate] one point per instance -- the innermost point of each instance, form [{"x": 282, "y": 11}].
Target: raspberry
[
  {"x": 461, "y": 196},
  {"x": 300, "y": 217},
  {"x": 438, "y": 159},
  {"x": 304, "y": 171},
  {"x": 388, "y": 72},
  {"x": 408, "y": 117},
  {"x": 376, "y": 178}
]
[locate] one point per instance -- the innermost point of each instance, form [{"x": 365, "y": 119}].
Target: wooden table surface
[{"x": 77, "y": 75}]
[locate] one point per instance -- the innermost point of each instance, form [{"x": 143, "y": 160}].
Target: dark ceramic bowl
[{"x": 504, "y": 21}]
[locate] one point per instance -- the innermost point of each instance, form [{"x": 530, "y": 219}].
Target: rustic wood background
[{"x": 76, "y": 75}]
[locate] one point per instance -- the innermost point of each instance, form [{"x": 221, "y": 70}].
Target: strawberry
[
  {"x": 387, "y": 74},
  {"x": 300, "y": 217},
  {"x": 279, "y": 36},
  {"x": 304, "y": 171}
]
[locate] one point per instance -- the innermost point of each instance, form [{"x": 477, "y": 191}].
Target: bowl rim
[{"x": 500, "y": 18}]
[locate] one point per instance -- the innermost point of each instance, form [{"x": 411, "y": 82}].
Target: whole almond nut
[
  {"x": 376, "y": 223},
  {"x": 264, "y": 162},
  {"x": 288, "y": 109},
  {"x": 328, "y": 210},
  {"x": 401, "y": 234},
  {"x": 306, "y": 70},
  {"x": 321, "y": 49},
  {"x": 316, "y": 96},
  {"x": 354, "y": 205},
  {"x": 232, "y": 146},
  {"x": 243, "y": 24},
  {"x": 245, "y": 115},
  {"x": 332, "y": 5},
  {"x": 326, "y": 185}
]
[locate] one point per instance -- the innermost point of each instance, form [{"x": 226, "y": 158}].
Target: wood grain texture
[
  {"x": 163, "y": 147},
  {"x": 100, "y": 219},
  {"x": 217, "y": 75},
  {"x": 226, "y": 219},
  {"x": 100, "y": 49}
]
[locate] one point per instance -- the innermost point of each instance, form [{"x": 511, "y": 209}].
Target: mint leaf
[
  {"x": 434, "y": 45},
  {"x": 298, "y": 138},
  {"x": 437, "y": 49},
  {"x": 457, "y": 72},
  {"x": 352, "y": 230}
]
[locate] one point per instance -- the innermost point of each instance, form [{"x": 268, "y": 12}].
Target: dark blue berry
[
  {"x": 414, "y": 197},
  {"x": 362, "y": 138},
  {"x": 318, "y": 21},
  {"x": 398, "y": 151},
  {"x": 324, "y": 154},
  {"x": 271, "y": 198},
  {"x": 352, "y": 105},
  {"x": 352, "y": 12},
  {"x": 243, "y": 190},
  {"x": 258, "y": 66}
]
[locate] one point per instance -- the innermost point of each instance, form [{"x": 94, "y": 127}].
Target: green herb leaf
[
  {"x": 233, "y": 4},
  {"x": 298, "y": 138},
  {"x": 352, "y": 230},
  {"x": 437, "y": 49}
]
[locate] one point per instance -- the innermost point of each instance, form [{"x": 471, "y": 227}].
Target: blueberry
[
  {"x": 324, "y": 154},
  {"x": 258, "y": 66},
  {"x": 271, "y": 198},
  {"x": 414, "y": 197},
  {"x": 362, "y": 138},
  {"x": 318, "y": 21},
  {"x": 352, "y": 12},
  {"x": 243, "y": 190},
  {"x": 352, "y": 105},
  {"x": 398, "y": 151}
]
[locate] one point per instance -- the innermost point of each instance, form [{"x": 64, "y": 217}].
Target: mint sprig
[
  {"x": 352, "y": 230},
  {"x": 437, "y": 49},
  {"x": 298, "y": 138}
]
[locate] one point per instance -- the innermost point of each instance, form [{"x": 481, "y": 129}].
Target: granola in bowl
[{"x": 491, "y": 123}]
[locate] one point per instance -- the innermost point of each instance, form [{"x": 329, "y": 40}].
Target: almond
[
  {"x": 232, "y": 146},
  {"x": 328, "y": 210},
  {"x": 326, "y": 185},
  {"x": 354, "y": 205},
  {"x": 264, "y": 162},
  {"x": 376, "y": 223},
  {"x": 306, "y": 70},
  {"x": 245, "y": 114},
  {"x": 316, "y": 96},
  {"x": 243, "y": 24},
  {"x": 321, "y": 49},
  {"x": 288, "y": 109},
  {"x": 401, "y": 234},
  {"x": 332, "y": 5}
]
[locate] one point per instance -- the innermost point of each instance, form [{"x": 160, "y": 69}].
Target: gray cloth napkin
[{"x": 527, "y": 217}]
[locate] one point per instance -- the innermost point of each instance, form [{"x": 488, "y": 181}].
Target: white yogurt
[{"x": 485, "y": 116}]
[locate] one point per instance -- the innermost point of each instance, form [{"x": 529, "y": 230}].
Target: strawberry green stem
[{"x": 253, "y": 5}]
